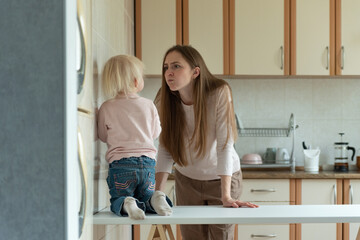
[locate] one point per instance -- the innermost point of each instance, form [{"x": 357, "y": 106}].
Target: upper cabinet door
[
  {"x": 206, "y": 29},
  {"x": 312, "y": 37},
  {"x": 348, "y": 32},
  {"x": 157, "y": 29},
  {"x": 261, "y": 37}
]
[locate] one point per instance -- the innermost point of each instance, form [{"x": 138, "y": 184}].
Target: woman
[{"x": 198, "y": 132}]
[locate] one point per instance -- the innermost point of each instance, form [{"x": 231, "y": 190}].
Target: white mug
[{"x": 282, "y": 155}]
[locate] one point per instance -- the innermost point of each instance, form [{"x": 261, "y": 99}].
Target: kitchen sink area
[{"x": 273, "y": 158}]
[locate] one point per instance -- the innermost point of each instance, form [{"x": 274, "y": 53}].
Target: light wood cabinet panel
[
  {"x": 348, "y": 35},
  {"x": 266, "y": 191},
  {"x": 253, "y": 37},
  {"x": 156, "y": 31},
  {"x": 259, "y": 45},
  {"x": 351, "y": 196},
  {"x": 313, "y": 37},
  {"x": 316, "y": 231},
  {"x": 250, "y": 232},
  {"x": 319, "y": 191},
  {"x": 205, "y": 31}
]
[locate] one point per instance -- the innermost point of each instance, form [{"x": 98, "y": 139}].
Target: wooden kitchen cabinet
[
  {"x": 347, "y": 37},
  {"x": 160, "y": 24},
  {"x": 319, "y": 191},
  {"x": 268, "y": 192},
  {"x": 206, "y": 29},
  {"x": 253, "y": 37},
  {"x": 329, "y": 191},
  {"x": 326, "y": 41},
  {"x": 158, "y": 27},
  {"x": 312, "y": 37},
  {"x": 250, "y": 232},
  {"x": 259, "y": 37},
  {"x": 351, "y": 196}
]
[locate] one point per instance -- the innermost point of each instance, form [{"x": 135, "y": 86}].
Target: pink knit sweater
[
  {"x": 221, "y": 157},
  {"x": 129, "y": 126}
]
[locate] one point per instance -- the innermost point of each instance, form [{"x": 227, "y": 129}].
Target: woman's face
[{"x": 177, "y": 72}]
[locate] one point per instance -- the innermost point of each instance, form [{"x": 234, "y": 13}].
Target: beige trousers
[{"x": 196, "y": 192}]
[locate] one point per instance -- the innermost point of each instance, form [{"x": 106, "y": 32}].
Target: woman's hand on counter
[
  {"x": 229, "y": 202},
  {"x": 226, "y": 198}
]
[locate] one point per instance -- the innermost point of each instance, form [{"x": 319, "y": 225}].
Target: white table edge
[{"x": 268, "y": 214}]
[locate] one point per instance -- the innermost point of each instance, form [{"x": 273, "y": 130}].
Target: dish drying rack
[{"x": 271, "y": 132}]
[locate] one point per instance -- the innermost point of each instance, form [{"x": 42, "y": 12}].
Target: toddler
[{"x": 129, "y": 124}]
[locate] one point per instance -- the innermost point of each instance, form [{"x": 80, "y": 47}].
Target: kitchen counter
[
  {"x": 281, "y": 174},
  {"x": 285, "y": 173},
  {"x": 300, "y": 174}
]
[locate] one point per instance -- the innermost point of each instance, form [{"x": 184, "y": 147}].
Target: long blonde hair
[
  {"x": 119, "y": 74},
  {"x": 172, "y": 115}
]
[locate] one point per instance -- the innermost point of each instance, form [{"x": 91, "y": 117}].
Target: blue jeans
[{"x": 132, "y": 177}]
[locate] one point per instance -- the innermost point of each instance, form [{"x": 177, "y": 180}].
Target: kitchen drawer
[
  {"x": 267, "y": 191},
  {"x": 326, "y": 191},
  {"x": 251, "y": 232},
  {"x": 315, "y": 231}
]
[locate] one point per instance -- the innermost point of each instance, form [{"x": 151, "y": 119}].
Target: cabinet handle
[
  {"x": 342, "y": 57},
  {"x": 327, "y": 57},
  {"x": 263, "y": 236},
  {"x": 351, "y": 194},
  {"x": 335, "y": 194},
  {"x": 81, "y": 70},
  {"x": 282, "y": 57},
  {"x": 81, "y": 158},
  {"x": 263, "y": 190}
]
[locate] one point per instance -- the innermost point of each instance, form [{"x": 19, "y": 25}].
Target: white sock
[
  {"x": 160, "y": 205},
  {"x": 131, "y": 208}
]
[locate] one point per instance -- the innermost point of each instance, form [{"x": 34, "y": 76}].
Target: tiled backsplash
[{"x": 322, "y": 107}]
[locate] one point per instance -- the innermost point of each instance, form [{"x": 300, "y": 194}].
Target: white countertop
[{"x": 265, "y": 214}]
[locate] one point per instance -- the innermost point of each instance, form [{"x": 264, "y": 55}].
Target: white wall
[
  {"x": 322, "y": 108},
  {"x": 112, "y": 34}
]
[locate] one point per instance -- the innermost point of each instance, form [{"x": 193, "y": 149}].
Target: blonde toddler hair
[{"x": 119, "y": 75}]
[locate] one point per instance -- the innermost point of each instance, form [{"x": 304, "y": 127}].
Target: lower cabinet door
[
  {"x": 316, "y": 231},
  {"x": 265, "y": 192},
  {"x": 354, "y": 198},
  {"x": 251, "y": 232},
  {"x": 354, "y": 231},
  {"x": 314, "y": 192}
]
